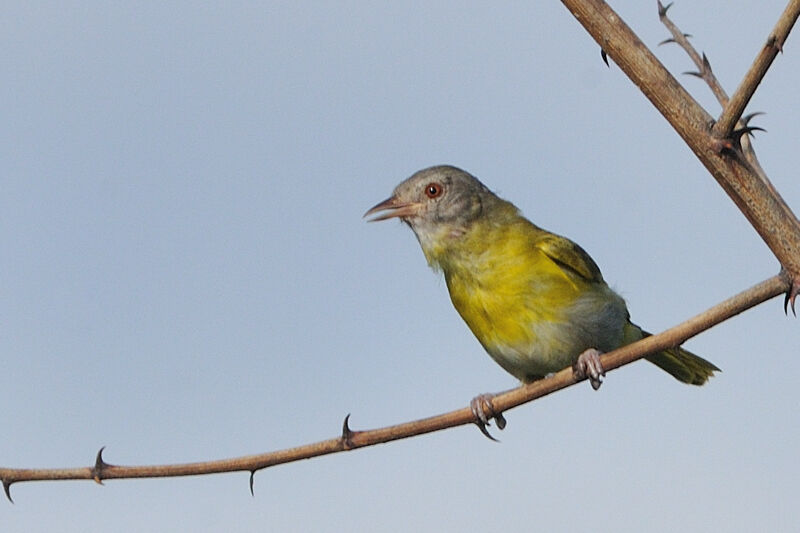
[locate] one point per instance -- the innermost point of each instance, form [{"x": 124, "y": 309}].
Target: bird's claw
[
  {"x": 483, "y": 410},
  {"x": 589, "y": 366}
]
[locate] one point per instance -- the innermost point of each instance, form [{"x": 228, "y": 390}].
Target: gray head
[
  {"x": 435, "y": 200},
  {"x": 441, "y": 204}
]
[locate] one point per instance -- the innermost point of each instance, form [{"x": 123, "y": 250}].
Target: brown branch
[
  {"x": 754, "y": 195},
  {"x": 704, "y": 69},
  {"x": 733, "y": 111},
  {"x": 350, "y": 440}
]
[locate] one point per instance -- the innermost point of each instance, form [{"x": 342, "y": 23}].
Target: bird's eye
[{"x": 433, "y": 190}]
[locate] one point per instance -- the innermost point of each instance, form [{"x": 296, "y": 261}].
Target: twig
[
  {"x": 731, "y": 113},
  {"x": 704, "y": 70},
  {"x": 350, "y": 439}
]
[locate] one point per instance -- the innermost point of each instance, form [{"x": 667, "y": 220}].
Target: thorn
[
  {"x": 7, "y": 490},
  {"x": 791, "y": 295},
  {"x": 347, "y": 433},
  {"x": 706, "y": 63},
  {"x": 99, "y": 466},
  {"x": 773, "y": 41},
  {"x": 604, "y": 55},
  {"x": 792, "y": 292},
  {"x": 662, "y": 9},
  {"x": 252, "y": 475},
  {"x": 746, "y": 119},
  {"x": 732, "y": 144},
  {"x": 747, "y": 130},
  {"x": 672, "y": 39},
  {"x": 696, "y": 74}
]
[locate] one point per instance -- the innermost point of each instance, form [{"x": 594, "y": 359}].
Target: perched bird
[{"x": 536, "y": 301}]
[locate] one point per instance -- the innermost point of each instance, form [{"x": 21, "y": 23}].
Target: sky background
[{"x": 186, "y": 274}]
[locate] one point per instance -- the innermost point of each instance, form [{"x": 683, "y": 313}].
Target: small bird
[{"x": 536, "y": 301}]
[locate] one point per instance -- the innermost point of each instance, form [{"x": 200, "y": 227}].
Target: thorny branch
[
  {"x": 717, "y": 145},
  {"x": 705, "y": 72},
  {"x": 350, "y": 440},
  {"x": 755, "y": 196}
]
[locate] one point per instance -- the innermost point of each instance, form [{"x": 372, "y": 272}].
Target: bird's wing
[{"x": 569, "y": 256}]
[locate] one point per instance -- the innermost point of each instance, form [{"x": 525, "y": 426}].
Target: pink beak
[{"x": 395, "y": 208}]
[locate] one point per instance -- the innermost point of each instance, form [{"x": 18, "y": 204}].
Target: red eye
[{"x": 432, "y": 190}]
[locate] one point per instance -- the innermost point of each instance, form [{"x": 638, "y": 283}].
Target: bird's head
[{"x": 438, "y": 203}]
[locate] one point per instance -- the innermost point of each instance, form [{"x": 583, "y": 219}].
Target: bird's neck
[{"x": 474, "y": 247}]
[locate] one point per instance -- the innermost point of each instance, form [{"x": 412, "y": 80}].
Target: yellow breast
[{"x": 515, "y": 299}]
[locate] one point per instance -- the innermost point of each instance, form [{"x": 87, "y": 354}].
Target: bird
[{"x": 536, "y": 301}]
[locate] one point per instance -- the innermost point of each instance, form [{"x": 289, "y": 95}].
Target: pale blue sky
[{"x": 186, "y": 274}]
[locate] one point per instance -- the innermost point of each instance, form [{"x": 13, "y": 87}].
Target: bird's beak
[{"x": 394, "y": 208}]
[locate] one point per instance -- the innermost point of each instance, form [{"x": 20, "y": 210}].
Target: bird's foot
[
  {"x": 484, "y": 411},
  {"x": 588, "y": 366}
]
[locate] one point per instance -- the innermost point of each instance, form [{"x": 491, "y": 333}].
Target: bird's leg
[
  {"x": 588, "y": 366},
  {"x": 482, "y": 408}
]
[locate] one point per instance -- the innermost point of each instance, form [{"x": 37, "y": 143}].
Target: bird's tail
[{"x": 682, "y": 364}]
